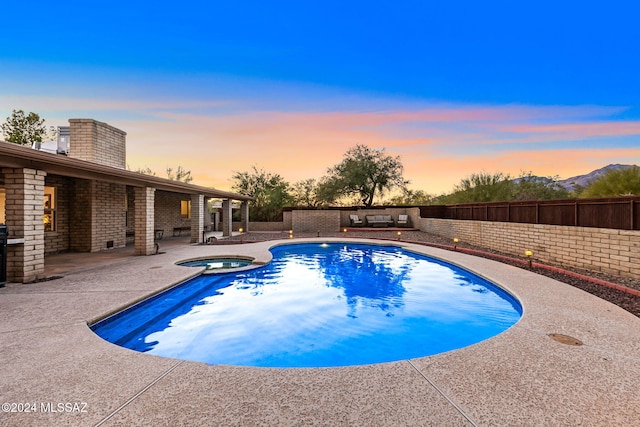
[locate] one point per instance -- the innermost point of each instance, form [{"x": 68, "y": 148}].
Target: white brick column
[
  {"x": 197, "y": 217},
  {"x": 227, "y": 219},
  {"x": 244, "y": 216},
  {"x": 144, "y": 217},
  {"x": 24, "y": 213}
]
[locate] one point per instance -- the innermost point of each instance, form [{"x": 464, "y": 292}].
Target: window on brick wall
[
  {"x": 49, "y": 205},
  {"x": 185, "y": 208}
]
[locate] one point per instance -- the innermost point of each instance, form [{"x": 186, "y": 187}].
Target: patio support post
[
  {"x": 227, "y": 219},
  {"x": 145, "y": 219},
  {"x": 244, "y": 216},
  {"x": 24, "y": 213},
  {"x": 197, "y": 218}
]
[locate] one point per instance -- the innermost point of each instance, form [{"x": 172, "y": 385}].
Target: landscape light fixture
[
  {"x": 528, "y": 254},
  {"x": 399, "y": 234},
  {"x": 240, "y": 230},
  {"x": 291, "y": 234},
  {"x": 344, "y": 230},
  {"x": 455, "y": 243}
]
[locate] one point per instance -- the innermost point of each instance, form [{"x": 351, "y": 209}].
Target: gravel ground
[{"x": 629, "y": 302}]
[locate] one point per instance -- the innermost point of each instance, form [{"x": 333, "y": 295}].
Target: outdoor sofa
[{"x": 379, "y": 220}]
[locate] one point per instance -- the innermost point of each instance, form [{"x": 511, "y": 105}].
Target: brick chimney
[{"x": 97, "y": 142}]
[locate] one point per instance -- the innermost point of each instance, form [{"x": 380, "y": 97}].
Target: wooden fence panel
[
  {"x": 615, "y": 215},
  {"x": 498, "y": 213},
  {"x": 524, "y": 213},
  {"x": 615, "y": 212},
  {"x": 559, "y": 214}
]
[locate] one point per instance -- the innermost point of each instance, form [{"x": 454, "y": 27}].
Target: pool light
[{"x": 528, "y": 254}]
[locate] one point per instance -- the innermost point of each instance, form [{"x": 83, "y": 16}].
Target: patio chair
[
  {"x": 355, "y": 221},
  {"x": 403, "y": 221}
]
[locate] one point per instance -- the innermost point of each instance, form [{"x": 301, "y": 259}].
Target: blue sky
[{"x": 452, "y": 87}]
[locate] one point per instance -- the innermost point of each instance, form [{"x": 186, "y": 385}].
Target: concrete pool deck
[{"x": 55, "y": 367}]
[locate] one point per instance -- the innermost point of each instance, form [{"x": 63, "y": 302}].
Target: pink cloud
[
  {"x": 439, "y": 143},
  {"x": 304, "y": 145},
  {"x": 581, "y": 130}
]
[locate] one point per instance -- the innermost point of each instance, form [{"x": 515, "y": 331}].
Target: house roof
[{"x": 17, "y": 156}]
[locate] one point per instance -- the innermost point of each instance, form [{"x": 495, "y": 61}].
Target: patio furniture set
[{"x": 379, "y": 221}]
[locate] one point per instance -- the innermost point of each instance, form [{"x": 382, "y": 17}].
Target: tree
[
  {"x": 180, "y": 175},
  {"x": 615, "y": 182},
  {"x": 270, "y": 192},
  {"x": 363, "y": 173},
  {"x": 481, "y": 187},
  {"x": 26, "y": 129},
  {"x": 308, "y": 193},
  {"x": 412, "y": 198},
  {"x": 531, "y": 187},
  {"x": 145, "y": 171}
]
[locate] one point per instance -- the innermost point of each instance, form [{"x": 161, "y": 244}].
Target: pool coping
[{"x": 520, "y": 377}]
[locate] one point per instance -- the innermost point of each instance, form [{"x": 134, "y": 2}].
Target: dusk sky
[{"x": 452, "y": 87}]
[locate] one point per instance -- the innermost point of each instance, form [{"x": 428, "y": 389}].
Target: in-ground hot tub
[{"x": 218, "y": 263}]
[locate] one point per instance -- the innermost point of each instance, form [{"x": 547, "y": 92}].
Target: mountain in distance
[{"x": 584, "y": 180}]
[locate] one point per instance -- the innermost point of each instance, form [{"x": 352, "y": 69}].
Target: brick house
[{"x": 86, "y": 201}]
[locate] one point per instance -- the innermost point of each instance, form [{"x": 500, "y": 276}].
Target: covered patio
[{"x": 53, "y": 203}]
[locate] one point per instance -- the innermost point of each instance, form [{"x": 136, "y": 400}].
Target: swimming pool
[{"x": 319, "y": 305}]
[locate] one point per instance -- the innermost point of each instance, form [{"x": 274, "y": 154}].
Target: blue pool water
[{"x": 318, "y": 305}]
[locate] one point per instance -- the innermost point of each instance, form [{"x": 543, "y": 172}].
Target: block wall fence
[
  {"x": 329, "y": 220},
  {"x": 594, "y": 249},
  {"x": 313, "y": 221}
]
